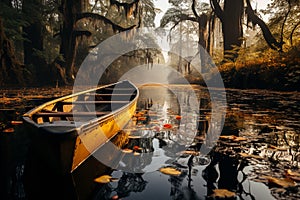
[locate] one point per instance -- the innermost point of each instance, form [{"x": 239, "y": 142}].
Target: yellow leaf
[
  {"x": 127, "y": 150},
  {"x": 223, "y": 193},
  {"x": 295, "y": 176},
  {"x": 281, "y": 182},
  {"x": 233, "y": 138},
  {"x": 194, "y": 153},
  {"x": 103, "y": 179},
  {"x": 291, "y": 173},
  {"x": 170, "y": 171}
]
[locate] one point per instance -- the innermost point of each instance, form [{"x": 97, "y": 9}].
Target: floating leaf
[
  {"x": 167, "y": 126},
  {"x": 142, "y": 118},
  {"x": 272, "y": 147},
  {"x": 293, "y": 175},
  {"x": 127, "y": 150},
  {"x": 281, "y": 182},
  {"x": 103, "y": 179},
  {"x": 115, "y": 197},
  {"x": 245, "y": 155},
  {"x": 233, "y": 138},
  {"x": 136, "y": 148},
  {"x": 188, "y": 152},
  {"x": 16, "y": 122},
  {"x": 139, "y": 114},
  {"x": 170, "y": 171},
  {"x": 9, "y": 130},
  {"x": 227, "y": 137},
  {"x": 223, "y": 193},
  {"x": 178, "y": 117}
]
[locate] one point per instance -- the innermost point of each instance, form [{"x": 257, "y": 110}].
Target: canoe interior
[{"x": 88, "y": 105}]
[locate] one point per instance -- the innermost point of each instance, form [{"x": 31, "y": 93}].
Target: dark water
[{"x": 266, "y": 119}]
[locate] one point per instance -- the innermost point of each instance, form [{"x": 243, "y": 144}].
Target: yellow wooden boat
[{"x": 67, "y": 130}]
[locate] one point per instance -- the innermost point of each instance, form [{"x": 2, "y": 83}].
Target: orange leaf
[
  {"x": 281, "y": 182},
  {"x": 9, "y": 130},
  {"x": 178, "y": 117},
  {"x": 167, "y": 126},
  {"x": 16, "y": 122}
]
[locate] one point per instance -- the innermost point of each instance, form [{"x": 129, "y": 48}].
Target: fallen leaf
[
  {"x": 245, "y": 155},
  {"x": 233, "y": 138},
  {"x": 227, "y": 137},
  {"x": 8, "y": 130},
  {"x": 293, "y": 175},
  {"x": 170, "y": 171},
  {"x": 223, "y": 193},
  {"x": 136, "y": 148},
  {"x": 237, "y": 139},
  {"x": 127, "y": 150},
  {"x": 281, "y": 182},
  {"x": 141, "y": 118},
  {"x": 194, "y": 153},
  {"x": 16, "y": 122},
  {"x": 272, "y": 147},
  {"x": 178, "y": 117},
  {"x": 103, "y": 179},
  {"x": 115, "y": 197},
  {"x": 167, "y": 126},
  {"x": 290, "y": 172}
]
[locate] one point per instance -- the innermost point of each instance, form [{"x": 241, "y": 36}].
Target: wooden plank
[
  {"x": 93, "y": 102},
  {"x": 70, "y": 114},
  {"x": 120, "y": 88},
  {"x": 112, "y": 94}
]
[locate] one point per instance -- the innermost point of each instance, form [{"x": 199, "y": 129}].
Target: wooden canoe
[{"x": 69, "y": 129}]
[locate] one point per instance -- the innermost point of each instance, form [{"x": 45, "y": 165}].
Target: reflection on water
[{"x": 167, "y": 131}]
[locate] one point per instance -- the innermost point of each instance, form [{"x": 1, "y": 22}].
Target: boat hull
[{"x": 61, "y": 146}]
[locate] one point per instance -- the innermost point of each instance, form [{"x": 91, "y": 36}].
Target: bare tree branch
[
  {"x": 292, "y": 33},
  {"x": 100, "y": 17},
  {"x": 194, "y": 9},
  {"x": 272, "y": 42},
  {"x": 285, "y": 18},
  {"x": 217, "y": 9}
]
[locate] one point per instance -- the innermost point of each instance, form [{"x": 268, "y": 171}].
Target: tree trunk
[
  {"x": 232, "y": 27},
  {"x": 68, "y": 45},
  {"x": 33, "y": 43},
  {"x": 231, "y": 19},
  {"x": 11, "y": 71}
]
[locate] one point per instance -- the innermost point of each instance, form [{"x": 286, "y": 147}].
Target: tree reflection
[{"x": 129, "y": 182}]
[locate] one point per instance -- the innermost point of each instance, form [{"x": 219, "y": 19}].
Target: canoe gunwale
[{"x": 78, "y": 126}]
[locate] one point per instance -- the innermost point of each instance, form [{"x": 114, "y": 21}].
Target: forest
[{"x": 44, "y": 42}]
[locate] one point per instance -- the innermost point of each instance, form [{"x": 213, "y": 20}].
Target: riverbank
[{"x": 271, "y": 71}]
